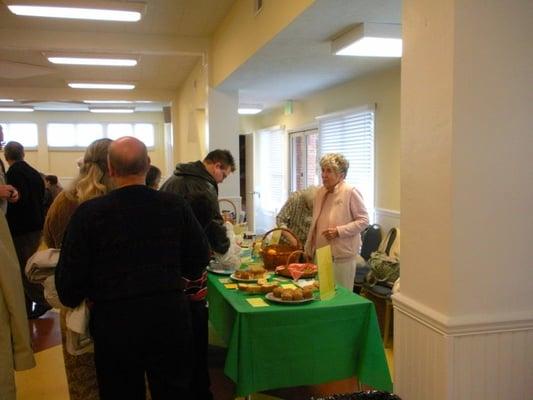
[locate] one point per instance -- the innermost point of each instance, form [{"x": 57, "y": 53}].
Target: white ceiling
[
  {"x": 170, "y": 38},
  {"x": 298, "y": 61}
]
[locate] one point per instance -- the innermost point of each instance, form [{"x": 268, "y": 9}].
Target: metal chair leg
[{"x": 387, "y": 324}]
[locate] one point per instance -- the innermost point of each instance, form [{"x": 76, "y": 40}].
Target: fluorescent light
[
  {"x": 6, "y": 100},
  {"x": 89, "y": 85},
  {"x": 16, "y": 109},
  {"x": 93, "y": 10},
  {"x": 107, "y": 101},
  {"x": 250, "y": 109},
  {"x": 370, "y": 40},
  {"x": 111, "y": 110},
  {"x": 373, "y": 47},
  {"x": 112, "y": 62}
]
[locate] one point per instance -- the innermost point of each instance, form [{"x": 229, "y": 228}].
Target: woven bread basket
[{"x": 277, "y": 254}]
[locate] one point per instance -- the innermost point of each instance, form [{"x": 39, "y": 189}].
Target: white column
[
  {"x": 223, "y": 127},
  {"x": 464, "y": 316}
]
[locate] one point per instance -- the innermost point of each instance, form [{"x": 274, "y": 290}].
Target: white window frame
[
  {"x": 270, "y": 176},
  {"x": 104, "y": 126},
  {"x": 7, "y": 126},
  {"x": 75, "y": 125},
  {"x": 352, "y": 133},
  {"x": 133, "y": 125},
  {"x": 303, "y": 132}
]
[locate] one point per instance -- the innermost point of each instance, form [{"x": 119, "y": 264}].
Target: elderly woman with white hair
[{"x": 339, "y": 217}]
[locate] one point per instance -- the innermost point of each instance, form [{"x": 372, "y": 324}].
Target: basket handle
[
  {"x": 306, "y": 256},
  {"x": 298, "y": 243},
  {"x": 232, "y": 204}
]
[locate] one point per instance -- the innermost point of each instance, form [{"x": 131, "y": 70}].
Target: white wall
[
  {"x": 464, "y": 316},
  {"x": 223, "y": 127},
  {"x": 381, "y": 88}
]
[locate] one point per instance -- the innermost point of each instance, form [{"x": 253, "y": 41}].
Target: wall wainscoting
[
  {"x": 66, "y": 181},
  {"x": 440, "y": 358},
  {"x": 387, "y": 219}
]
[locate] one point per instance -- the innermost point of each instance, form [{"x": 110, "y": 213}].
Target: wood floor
[{"x": 47, "y": 380}]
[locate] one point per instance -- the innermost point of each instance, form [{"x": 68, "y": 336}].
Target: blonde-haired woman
[
  {"x": 339, "y": 217},
  {"x": 93, "y": 181}
]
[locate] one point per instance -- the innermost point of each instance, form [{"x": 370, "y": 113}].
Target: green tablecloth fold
[{"x": 292, "y": 345}]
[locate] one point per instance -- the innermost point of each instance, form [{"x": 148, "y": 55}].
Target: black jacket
[
  {"x": 133, "y": 242},
  {"x": 27, "y": 214},
  {"x": 198, "y": 187}
]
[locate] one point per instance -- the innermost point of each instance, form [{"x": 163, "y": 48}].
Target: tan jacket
[{"x": 15, "y": 344}]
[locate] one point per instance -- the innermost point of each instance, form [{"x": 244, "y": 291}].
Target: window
[
  {"x": 88, "y": 133},
  {"x": 143, "y": 132},
  {"x": 270, "y": 176},
  {"x": 62, "y": 135},
  {"x": 351, "y": 133},
  {"x": 73, "y": 135},
  {"x": 303, "y": 148},
  {"x": 114, "y": 131},
  {"x": 24, "y": 133}
]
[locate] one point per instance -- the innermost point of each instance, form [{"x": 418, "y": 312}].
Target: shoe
[{"x": 38, "y": 311}]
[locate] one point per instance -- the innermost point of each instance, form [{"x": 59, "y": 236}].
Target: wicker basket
[
  {"x": 277, "y": 254},
  {"x": 231, "y": 216},
  {"x": 285, "y": 271},
  {"x": 228, "y": 215}
]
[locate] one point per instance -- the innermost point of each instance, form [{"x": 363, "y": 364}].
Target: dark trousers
[
  {"x": 200, "y": 380},
  {"x": 25, "y": 245},
  {"x": 149, "y": 336}
]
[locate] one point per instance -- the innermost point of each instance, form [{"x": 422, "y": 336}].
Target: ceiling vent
[{"x": 258, "y": 6}]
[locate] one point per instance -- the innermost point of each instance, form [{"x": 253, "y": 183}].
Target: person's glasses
[{"x": 224, "y": 171}]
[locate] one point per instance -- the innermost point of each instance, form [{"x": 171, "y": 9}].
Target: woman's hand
[{"x": 330, "y": 233}]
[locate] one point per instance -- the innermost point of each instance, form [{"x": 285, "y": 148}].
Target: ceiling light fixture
[
  {"x": 370, "y": 40},
  {"x": 249, "y": 109},
  {"x": 94, "y": 85},
  {"x": 6, "y": 100},
  {"x": 16, "y": 109},
  {"x": 111, "y": 110},
  {"x": 93, "y": 9},
  {"x": 107, "y": 101},
  {"x": 86, "y": 60}
]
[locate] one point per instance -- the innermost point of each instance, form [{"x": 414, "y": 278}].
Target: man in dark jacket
[
  {"x": 26, "y": 218},
  {"x": 127, "y": 252},
  {"x": 201, "y": 178},
  {"x": 198, "y": 183}
]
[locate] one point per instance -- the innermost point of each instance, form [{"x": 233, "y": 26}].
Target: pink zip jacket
[{"x": 347, "y": 213}]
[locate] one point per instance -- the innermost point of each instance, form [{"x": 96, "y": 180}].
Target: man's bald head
[{"x": 128, "y": 157}]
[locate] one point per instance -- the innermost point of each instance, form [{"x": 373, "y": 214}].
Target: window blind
[
  {"x": 351, "y": 133},
  {"x": 271, "y": 168},
  {"x": 303, "y": 157}
]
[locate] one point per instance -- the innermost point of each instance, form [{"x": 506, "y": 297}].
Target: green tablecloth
[{"x": 292, "y": 345}]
